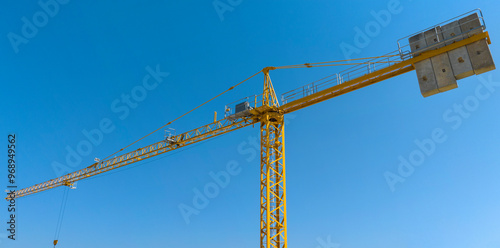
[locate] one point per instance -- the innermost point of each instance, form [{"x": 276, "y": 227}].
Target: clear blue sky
[{"x": 67, "y": 76}]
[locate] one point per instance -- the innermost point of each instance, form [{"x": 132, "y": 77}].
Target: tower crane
[{"x": 431, "y": 52}]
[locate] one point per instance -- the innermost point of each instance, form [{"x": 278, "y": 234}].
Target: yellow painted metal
[
  {"x": 194, "y": 136},
  {"x": 269, "y": 96},
  {"x": 376, "y": 76},
  {"x": 226, "y": 125},
  {"x": 272, "y": 177},
  {"x": 273, "y": 225}
]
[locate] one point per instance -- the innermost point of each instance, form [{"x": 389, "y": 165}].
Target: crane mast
[
  {"x": 272, "y": 170},
  {"x": 270, "y": 115}
]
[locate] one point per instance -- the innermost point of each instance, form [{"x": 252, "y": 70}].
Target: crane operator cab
[{"x": 240, "y": 108}]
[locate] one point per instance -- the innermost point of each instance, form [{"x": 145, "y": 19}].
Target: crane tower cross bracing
[{"x": 442, "y": 54}]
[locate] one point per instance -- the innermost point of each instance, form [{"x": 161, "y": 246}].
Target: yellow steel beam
[
  {"x": 194, "y": 136},
  {"x": 376, "y": 76}
]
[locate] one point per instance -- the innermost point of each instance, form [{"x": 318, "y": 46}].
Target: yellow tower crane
[{"x": 266, "y": 111}]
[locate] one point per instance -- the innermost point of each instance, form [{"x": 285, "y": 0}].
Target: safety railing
[
  {"x": 369, "y": 66},
  {"x": 405, "y": 47},
  {"x": 359, "y": 70}
]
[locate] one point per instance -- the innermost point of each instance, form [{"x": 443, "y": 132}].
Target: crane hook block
[{"x": 55, "y": 242}]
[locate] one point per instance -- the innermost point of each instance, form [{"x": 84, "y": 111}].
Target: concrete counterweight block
[
  {"x": 452, "y": 32},
  {"x": 426, "y": 78},
  {"x": 434, "y": 36},
  {"x": 443, "y": 72},
  {"x": 480, "y": 56},
  {"x": 425, "y": 72},
  {"x": 417, "y": 42},
  {"x": 440, "y": 72},
  {"x": 470, "y": 25},
  {"x": 441, "y": 65},
  {"x": 479, "y": 52},
  {"x": 459, "y": 58},
  {"x": 460, "y": 63}
]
